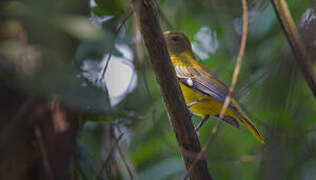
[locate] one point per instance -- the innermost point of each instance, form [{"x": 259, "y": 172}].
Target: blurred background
[{"x": 90, "y": 56}]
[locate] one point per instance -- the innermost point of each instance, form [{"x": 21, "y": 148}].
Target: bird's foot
[{"x": 200, "y": 125}]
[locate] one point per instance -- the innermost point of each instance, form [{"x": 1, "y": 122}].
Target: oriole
[{"x": 203, "y": 91}]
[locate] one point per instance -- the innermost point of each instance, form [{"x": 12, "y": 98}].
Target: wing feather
[{"x": 204, "y": 82}]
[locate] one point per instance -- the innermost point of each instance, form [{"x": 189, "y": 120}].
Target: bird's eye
[{"x": 176, "y": 39}]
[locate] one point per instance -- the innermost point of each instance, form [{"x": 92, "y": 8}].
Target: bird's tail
[{"x": 249, "y": 124}]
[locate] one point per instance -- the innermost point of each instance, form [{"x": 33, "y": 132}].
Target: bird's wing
[{"x": 204, "y": 82}]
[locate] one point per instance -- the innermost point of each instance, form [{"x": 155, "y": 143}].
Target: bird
[{"x": 203, "y": 91}]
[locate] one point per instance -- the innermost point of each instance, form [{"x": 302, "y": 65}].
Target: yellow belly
[
  {"x": 213, "y": 107},
  {"x": 208, "y": 106}
]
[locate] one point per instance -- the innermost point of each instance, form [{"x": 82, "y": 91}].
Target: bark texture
[{"x": 178, "y": 114}]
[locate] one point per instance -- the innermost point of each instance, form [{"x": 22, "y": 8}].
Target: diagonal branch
[
  {"x": 179, "y": 116},
  {"x": 294, "y": 38}
]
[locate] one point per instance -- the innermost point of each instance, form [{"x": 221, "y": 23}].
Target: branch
[
  {"x": 294, "y": 38},
  {"x": 169, "y": 87},
  {"x": 239, "y": 58}
]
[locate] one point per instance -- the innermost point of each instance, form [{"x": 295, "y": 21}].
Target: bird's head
[{"x": 177, "y": 42}]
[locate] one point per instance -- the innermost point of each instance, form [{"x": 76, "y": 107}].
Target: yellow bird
[{"x": 203, "y": 91}]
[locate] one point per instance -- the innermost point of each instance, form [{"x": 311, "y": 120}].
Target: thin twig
[
  {"x": 163, "y": 16},
  {"x": 125, "y": 163},
  {"x": 239, "y": 59},
  {"x": 232, "y": 85},
  {"x": 157, "y": 126},
  {"x": 116, "y": 144},
  {"x": 139, "y": 51},
  {"x": 108, "y": 158},
  {"x": 122, "y": 22}
]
